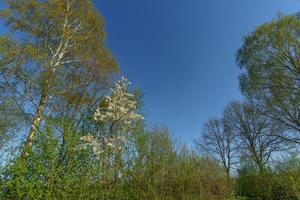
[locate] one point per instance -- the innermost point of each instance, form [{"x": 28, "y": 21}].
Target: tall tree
[
  {"x": 56, "y": 58},
  {"x": 217, "y": 140},
  {"x": 257, "y": 135},
  {"x": 270, "y": 61}
]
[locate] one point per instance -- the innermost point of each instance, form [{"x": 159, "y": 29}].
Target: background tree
[
  {"x": 258, "y": 136},
  {"x": 9, "y": 124},
  {"x": 271, "y": 76},
  {"x": 217, "y": 140}
]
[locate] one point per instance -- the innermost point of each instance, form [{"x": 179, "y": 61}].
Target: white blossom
[
  {"x": 119, "y": 109},
  {"x": 120, "y": 106},
  {"x": 98, "y": 144}
]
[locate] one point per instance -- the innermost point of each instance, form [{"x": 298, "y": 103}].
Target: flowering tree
[
  {"x": 115, "y": 114},
  {"x": 119, "y": 109}
]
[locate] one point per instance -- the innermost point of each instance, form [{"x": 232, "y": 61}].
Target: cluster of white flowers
[
  {"x": 120, "y": 106},
  {"x": 113, "y": 143},
  {"x": 119, "y": 110},
  {"x": 91, "y": 141}
]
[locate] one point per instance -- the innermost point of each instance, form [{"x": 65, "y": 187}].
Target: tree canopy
[
  {"x": 271, "y": 76},
  {"x": 55, "y": 64}
]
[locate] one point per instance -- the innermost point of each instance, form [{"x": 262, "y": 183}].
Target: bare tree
[
  {"x": 257, "y": 135},
  {"x": 218, "y": 142}
]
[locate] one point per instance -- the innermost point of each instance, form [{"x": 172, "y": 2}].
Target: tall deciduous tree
[
  {"x": 270, "y": 59},
  {"x": 218, "y": 141},
  {"x": 56, "y": 62},
  {"x": 258, "y": 137}
]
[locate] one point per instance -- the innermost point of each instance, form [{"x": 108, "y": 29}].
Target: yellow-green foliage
[{"x": 152, "y": 167}]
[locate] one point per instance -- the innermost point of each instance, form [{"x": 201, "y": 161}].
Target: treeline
[
  {"x": 150, "y": 166},
  {"x": 256, "y": 152},
  {"x": 256, "y": 141},
  {"x": 70, "y": 130}
]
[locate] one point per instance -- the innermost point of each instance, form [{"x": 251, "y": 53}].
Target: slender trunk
[
  {"x": 55, "y": 61},
  {"x": 63, "y": 147},
  {"x": 261, "y": 168},
  {"x": 228, "y": 174},
  {"x": 228, "y": 163},
  {"x": 39, "y": 112}
]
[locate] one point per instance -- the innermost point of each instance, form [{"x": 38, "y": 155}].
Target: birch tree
[{"x": 56, "y": 53}]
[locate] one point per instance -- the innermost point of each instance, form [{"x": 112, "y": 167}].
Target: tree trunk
[{"x": 39, "y": 112}]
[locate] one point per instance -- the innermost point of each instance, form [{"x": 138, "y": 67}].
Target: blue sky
[{"x": 181, "y": 53}]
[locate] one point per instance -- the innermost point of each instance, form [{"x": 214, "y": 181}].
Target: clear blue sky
[{"x": 181, "y": 53}]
